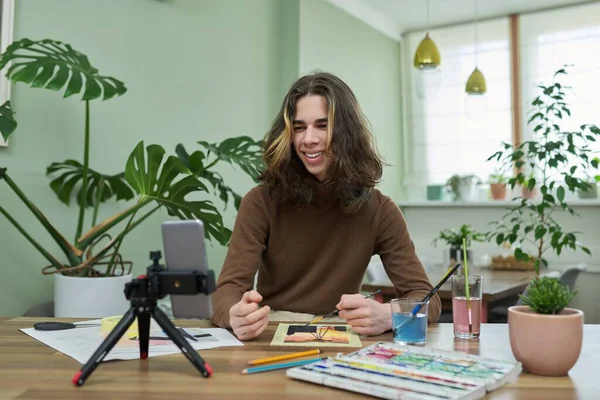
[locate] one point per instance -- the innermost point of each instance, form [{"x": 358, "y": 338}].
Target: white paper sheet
[{"x": 81, "y": 343}]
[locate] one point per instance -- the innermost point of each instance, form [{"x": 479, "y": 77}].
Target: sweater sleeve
[
  {"x": 248, "y": 242},
  {"x": 397, "y": 252}
]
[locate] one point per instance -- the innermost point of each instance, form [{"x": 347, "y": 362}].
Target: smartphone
[{"x": 185, "y": 249}]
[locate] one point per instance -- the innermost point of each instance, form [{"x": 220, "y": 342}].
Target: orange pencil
[{"x": 284, "y": 357}]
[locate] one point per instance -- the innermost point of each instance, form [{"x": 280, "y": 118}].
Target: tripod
[{"x": 143, "y": 293}]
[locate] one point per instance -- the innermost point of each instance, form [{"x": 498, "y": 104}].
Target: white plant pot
[
  {"x": 90, "y": 297},
  {"x": 468, "y": 191}
]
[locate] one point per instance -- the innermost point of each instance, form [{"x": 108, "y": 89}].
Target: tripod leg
[
  {"x": 144, "y": 333},
  {"x": 161, "y": 318},
  {"x": 105, "y": 347}
]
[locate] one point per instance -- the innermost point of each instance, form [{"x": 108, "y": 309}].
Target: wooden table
[
  {"x": 497, "y": 286},
  {"x": 30, "y": 369}
]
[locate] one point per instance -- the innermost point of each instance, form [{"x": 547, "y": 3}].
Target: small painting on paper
[{"x": 315, "y": 335}]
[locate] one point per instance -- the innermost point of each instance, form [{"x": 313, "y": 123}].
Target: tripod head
[{"x": 160, "y": 282}]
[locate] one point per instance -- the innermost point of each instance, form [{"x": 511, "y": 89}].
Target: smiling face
[{"x": 310, "y": 134}]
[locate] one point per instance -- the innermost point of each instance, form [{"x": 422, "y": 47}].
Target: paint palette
[{"x": 392, "y": 371}]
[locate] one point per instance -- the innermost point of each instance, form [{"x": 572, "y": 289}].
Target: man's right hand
[{"x": 247, "y": 318}]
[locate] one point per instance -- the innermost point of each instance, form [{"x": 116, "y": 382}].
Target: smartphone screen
[{"x": 184, "y": 249}]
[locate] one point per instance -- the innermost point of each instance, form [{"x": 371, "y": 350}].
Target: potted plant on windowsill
[
  {"x": 528, "y": 187},
  {"x": 90, "y": 274},
  {"x": 463, "y": 187},
  {"x": 546, "y": 335},
  {"x": 455, "y": 239},
  {"x": 497, "y": 183},
  {"x": 591, "y": 192}
]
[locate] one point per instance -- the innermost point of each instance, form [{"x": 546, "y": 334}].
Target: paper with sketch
[
  {"x": 81, "y": 343},
  {"x": 315, "y": 335}
]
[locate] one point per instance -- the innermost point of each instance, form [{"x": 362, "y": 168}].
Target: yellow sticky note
[{"x": 109, "y": 323}]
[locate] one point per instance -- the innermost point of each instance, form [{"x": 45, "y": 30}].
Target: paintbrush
[
  {"x": 335, "y": 312},
  {"x": 467, "y": 285},
  {"x": 433, "y": 291}
]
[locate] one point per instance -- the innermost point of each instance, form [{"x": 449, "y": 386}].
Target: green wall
[
  {"x": 195, "y": 70},
  {"x": 289, "y": 47},
  {"x": 369, "y": 62}
]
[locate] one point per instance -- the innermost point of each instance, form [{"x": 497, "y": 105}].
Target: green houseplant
[
  {"x": 463, "y": 187},
  {"x": 556, "y": 161},
  {"x": 159, "y": 181},
  {"x": 591, "y": 192},
  {"x": 497, "y": 182},
  {"x": 543, "y": 321},
  {"x": 546, "y": 295},
  {"x": 454, "y": 238}
]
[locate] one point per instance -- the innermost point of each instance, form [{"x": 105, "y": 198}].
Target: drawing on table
[{"x": 317, "y": 335}]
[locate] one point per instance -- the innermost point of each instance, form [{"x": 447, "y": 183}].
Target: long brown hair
[{"x": 355, "y": 167}]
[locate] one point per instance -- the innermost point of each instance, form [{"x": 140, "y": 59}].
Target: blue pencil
[{"x": 280, "y": 366}]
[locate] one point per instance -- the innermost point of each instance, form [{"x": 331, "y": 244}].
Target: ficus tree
[{"x": 555, "y": 161}]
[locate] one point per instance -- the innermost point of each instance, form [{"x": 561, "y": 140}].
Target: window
[
  {"x": 548, "y": 41},
  {"x": 449, "y": 132}
]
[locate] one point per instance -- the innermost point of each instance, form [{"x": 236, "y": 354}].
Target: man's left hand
[{"x": 366, "y": 316}]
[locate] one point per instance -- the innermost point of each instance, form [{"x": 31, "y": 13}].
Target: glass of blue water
[{"x": 409, "y": 321}]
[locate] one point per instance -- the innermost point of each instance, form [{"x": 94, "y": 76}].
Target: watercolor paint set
[{"x": 393, "y": 371}]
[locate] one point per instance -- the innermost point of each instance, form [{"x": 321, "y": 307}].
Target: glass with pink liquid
[{"x": 466, "y": 314}]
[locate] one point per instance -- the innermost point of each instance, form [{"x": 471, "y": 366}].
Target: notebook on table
[{"x": 392, "y": 371}]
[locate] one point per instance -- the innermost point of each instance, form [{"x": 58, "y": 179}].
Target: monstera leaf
[
  {"x": 157, "y": 181},
  {"x": 100, "y": 187},
  {"x": 53, "y": 65},
  {"x": 195, "y": 163},
  {"x": 7, "y": 120},
  {"x": 242, "y": 151}
]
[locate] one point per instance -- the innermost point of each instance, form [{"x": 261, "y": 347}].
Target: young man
[{"x": 312, "y": 225}]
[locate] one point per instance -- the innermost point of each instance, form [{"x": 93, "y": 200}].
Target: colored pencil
[
  {"x": 335, "y": 312},
  {"x": 284, "y": 357},
  {"x": 273, "y": 367}
]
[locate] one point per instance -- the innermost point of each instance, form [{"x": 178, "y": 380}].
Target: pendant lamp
[
  {"x": 476, "y": 82},
  {"x": 427, "y": 55}
]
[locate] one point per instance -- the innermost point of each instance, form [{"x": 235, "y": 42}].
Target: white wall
[
  {"x": 426, "y": 221},
  {"x": 369, "y": 62}
]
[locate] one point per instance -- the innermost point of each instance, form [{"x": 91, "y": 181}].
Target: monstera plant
[{"x": 157, "y": 180}]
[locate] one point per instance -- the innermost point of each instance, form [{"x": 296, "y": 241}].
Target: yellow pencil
[{"x": 284, "y": 357}]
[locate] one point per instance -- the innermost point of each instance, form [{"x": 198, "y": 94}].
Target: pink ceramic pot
[{"x": 545, "y": 344}]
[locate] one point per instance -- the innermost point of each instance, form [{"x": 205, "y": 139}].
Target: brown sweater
[{"x": 307, "y": 258}]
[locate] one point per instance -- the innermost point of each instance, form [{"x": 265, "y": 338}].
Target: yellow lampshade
[
  {"x": 476, "y": 83},
  {"x": 427, "y": 54}
]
